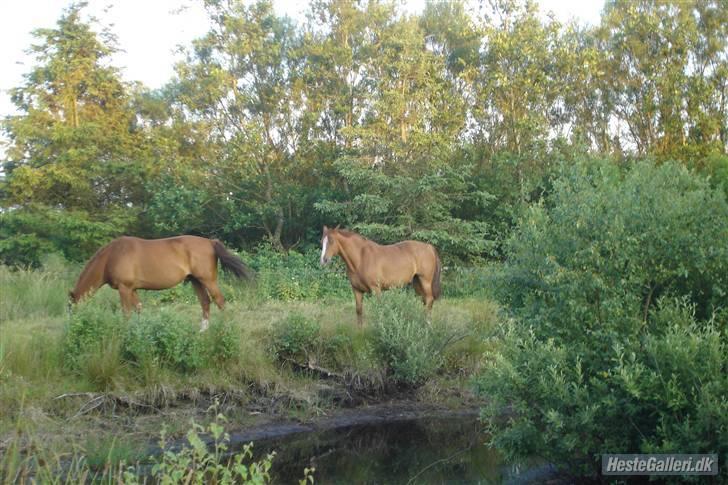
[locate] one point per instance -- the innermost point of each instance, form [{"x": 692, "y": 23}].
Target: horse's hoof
[{"x": 203, "y": 325}]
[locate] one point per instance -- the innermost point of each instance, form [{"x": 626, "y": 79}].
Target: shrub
[
  {"x": 90, "y": 330},
  {"x": 403, "y": 339},
  {"x": 98, "y": 342},
  {"x": 166, "y": 338},
  {"x": 222, "y": 343},
  {"x": 295, "y": 276},
  {"x": 28, "y": 234},
  {"x": 23, "y": 250},
  {"x": 295, "y": 338},
  {"x": 596, "y": 359}
]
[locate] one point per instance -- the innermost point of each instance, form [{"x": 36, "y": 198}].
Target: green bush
[
  {"x": 221, "y": 342},
  {"x": 23, "y": 250},
  {"x": 678, "y": 387},
  {"x": 294, "y": 276},
  {"x": 162, "y": 337},
  {"x": 717, "y": 167},
  {"x": 596, "y": 359},
  {"x": 296, "y": 338},
  {"x": 27, "y": 235},
  {"x": 90, "y": 329},
  {"x": 165, "y": 337},
  {"x": 403, "y": 339}
]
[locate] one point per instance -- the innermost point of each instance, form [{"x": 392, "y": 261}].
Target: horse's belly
[
  {"x": 388, "y": 276},
  {"x": 161, "y": 280},
  {"x": 396, "y": 274}
]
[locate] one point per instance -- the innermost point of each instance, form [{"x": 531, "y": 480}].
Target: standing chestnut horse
[
  {"x": 128, "y": 264},
  {"x": 372, "y": 267}
]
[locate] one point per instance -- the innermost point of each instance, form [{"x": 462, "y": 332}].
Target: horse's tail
[
  {"x": 230, "y": 262},
  {"x": 436, "y": 290}
]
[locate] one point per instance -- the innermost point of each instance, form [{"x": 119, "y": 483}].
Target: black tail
[
  {"x": 230, "y": 262},
  {"x": 436, "y": 290}
]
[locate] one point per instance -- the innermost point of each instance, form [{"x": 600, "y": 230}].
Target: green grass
[{"x": 62, "y": 376}]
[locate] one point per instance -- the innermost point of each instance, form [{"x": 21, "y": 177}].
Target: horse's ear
[
  {"x": 337, "y": 227},
  {"x": 326, "y": 229}
]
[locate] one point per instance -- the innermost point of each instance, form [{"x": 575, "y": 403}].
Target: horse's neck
[
  {"x": 92, "y": 276},
  {"x": 351, "y": 253}
]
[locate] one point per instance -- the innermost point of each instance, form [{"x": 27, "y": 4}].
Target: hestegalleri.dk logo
[{"x": 660, "y": 464}]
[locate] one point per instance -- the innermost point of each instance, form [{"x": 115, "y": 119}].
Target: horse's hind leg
[
  {"x": 427, "y": 297},
  {"x": 417, "y": 284},
  {"x": 214, "y": 292},
  {"x": 204, "y": 302}
]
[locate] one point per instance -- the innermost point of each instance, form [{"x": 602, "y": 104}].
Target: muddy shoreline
[
  {"x": 270, "y": 426},
  {"x": 392, "y": 411}
]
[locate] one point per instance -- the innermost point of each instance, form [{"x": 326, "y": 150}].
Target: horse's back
[
  {"x": 159, "y": 263},
  {"x": 417, "y": 250},
  {"x": 396, "y": 264}
]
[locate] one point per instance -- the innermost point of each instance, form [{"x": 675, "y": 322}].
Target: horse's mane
[
  {"x": 91, "y": 265},
  {"x": 348, "y": 234}
]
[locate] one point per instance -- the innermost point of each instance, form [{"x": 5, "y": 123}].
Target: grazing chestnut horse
[
  {"x": 372, "y": 267},
  {"x": 128, "y": 264}
]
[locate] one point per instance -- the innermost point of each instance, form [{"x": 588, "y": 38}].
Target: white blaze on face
[{"x": 324, "y": 243}]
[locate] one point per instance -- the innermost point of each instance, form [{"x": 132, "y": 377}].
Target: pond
[{"x": 441, "y": 449}]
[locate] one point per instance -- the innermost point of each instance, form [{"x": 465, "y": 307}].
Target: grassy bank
[{"x": 279, "y": 348}]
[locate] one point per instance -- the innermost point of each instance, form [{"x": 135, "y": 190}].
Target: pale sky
[{"x": 149, "y": 30}]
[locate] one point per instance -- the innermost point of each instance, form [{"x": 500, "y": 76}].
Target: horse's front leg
[
  {"x": 359, "y": 297},
  {"x": 126, "y": 294}
]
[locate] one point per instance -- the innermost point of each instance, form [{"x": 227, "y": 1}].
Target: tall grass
[
  {"x": 116, "y": 461},
  {"x": 157, "y": 359},
  {"x": 28, "y": 293}
]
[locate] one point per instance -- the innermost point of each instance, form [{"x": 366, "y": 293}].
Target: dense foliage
[
  {"x": 617, "y": 287},
  {"x": 440, "y": 126}
]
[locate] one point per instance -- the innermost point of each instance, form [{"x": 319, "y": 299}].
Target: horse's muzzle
[{"x": 325, "y": 261}]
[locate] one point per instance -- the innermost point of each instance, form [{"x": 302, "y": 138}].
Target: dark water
[{"x": 424, "y": 450}]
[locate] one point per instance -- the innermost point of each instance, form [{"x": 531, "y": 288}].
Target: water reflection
[{"x": 431, "y": 450}]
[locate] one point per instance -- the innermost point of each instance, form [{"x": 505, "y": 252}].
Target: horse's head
[
  {"x": 329, "y": 246},
  {"x": 72, "y": 300}
]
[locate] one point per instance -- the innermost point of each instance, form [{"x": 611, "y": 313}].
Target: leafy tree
[
  {"x": 76, "y": 160},
  {"x": 668, "y": 71},
  {"x": 400, "y": 178},
  {"x": 444, "y": 126},
  {"x": 240, "y": 83},
  {"x": 518, "y": 80},
  {"x": 74, "y": 144},
  {"x": 27, "y": 235}
]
